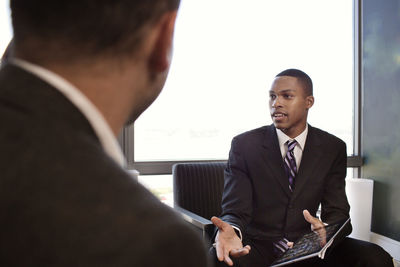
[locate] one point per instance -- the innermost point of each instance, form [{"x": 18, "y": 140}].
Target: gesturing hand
[{"x": 227, "y": 243}]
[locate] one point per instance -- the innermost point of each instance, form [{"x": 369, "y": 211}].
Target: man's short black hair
[
  {"x": 302, "y": 76},
  {"x": 83, "y": 27}
]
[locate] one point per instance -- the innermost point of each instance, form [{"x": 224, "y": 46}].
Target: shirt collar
[
  {"x": 83, "y": 104},
  {"x": 301, "y": 138}
]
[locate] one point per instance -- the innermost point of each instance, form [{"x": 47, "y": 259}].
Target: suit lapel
[
  {"x": 273, "y": 158},
  {"x": 312, "y": 154}
]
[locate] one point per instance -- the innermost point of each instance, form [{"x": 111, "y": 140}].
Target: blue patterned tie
[{"x": 290, "y": 163}]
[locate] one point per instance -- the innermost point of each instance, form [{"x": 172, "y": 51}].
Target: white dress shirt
[{"x": 83, "y": 104}]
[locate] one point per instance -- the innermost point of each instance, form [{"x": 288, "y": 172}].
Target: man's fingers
[
  {"x": 220, "y": 252},
  {"x": 223, "y": 254},
  {"x": 227, "y": 259},
  {"x": 240, "y": 252},
  {"x": 290, "y": 244}
]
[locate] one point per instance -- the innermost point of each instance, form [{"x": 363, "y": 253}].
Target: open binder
[{"x": 312, "y": 244}]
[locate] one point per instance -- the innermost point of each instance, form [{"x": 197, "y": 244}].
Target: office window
[
  {"x": 160, "y": 186},
  {"x": 5, "y": 26},
  {"x": 226, "y": 55}
]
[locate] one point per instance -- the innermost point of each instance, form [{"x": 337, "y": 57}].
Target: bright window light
[{"x": 226, "y": 54}]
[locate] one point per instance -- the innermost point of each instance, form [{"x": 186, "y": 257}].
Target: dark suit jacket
[
  {"x": 64, "y": 201},
  {"x": 257, "y": 198}
]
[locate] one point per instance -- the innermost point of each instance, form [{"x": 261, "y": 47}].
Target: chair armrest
[{"x": 205, "y": 226}]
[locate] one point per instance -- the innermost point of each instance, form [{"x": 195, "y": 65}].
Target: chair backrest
[{"x": 198, "y": 187}]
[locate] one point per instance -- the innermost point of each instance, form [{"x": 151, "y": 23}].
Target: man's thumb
[
  {"x": 217, "y": 222},
  {"x": 308, "y": 216}
]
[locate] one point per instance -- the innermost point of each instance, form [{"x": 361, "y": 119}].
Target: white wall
[{"x": 360, "y": 194}]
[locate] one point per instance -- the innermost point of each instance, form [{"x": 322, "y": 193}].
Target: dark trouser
[{"x": 350, "y": 252}]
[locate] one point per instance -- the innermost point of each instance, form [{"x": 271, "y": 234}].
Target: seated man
[{"x": 276, "y": 178}]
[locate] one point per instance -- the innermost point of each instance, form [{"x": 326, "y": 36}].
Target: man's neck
[
  {"x": 108, "y": 87},
  {"x": 293, "y": 133}
]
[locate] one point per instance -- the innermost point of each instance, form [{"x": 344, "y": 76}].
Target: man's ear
[
  {"x": 161, "y": 54},
  {"x": 310, "y": 101}
]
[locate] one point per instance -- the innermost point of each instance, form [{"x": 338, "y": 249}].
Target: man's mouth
[{"x": 278, "y": 115}]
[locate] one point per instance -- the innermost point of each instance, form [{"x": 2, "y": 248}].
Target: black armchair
[{"x": 198, "y": 190}]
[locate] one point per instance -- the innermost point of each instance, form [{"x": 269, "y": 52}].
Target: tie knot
[{"x": 291, "y": 144}]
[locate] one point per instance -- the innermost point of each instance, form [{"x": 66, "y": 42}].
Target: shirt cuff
[{"x": 238, "y": 232}]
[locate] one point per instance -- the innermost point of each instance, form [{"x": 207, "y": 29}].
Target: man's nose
[{"x": 276, "y": 103}]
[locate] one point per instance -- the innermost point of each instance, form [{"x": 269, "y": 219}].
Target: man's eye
[
  {"x": 287, "y": 96},
  {"x": 272, "y": 97}
]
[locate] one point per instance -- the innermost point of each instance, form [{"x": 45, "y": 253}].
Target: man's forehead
[{"x": 286, "y": 83}]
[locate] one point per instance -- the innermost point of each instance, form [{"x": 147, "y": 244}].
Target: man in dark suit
[
  {"x": 277, "y": 177},
  {"x": 79, "y": 70}
]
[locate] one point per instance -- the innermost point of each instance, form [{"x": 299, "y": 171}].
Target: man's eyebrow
[{"x": 283, "y": 91}]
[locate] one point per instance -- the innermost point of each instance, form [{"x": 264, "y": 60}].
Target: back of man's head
[
  {"x": 301, "y": 76},
  {"x": 7, "y": 54},
  {"x": 69, "y": 29}
]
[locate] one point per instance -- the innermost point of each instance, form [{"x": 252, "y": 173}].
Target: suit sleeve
[
  {"x": 334, "y": 204},
  {"x": 237, "y": 205}
]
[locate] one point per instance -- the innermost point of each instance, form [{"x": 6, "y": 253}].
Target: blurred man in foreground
[{"x": 77, "y": 72}]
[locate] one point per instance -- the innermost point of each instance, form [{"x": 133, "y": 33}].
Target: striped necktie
[
  {"x": 290, "y": 163},
  {"x": 281, "y": 246}
]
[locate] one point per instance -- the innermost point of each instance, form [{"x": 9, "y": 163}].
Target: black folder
[{"x": 312, "y": 244}]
